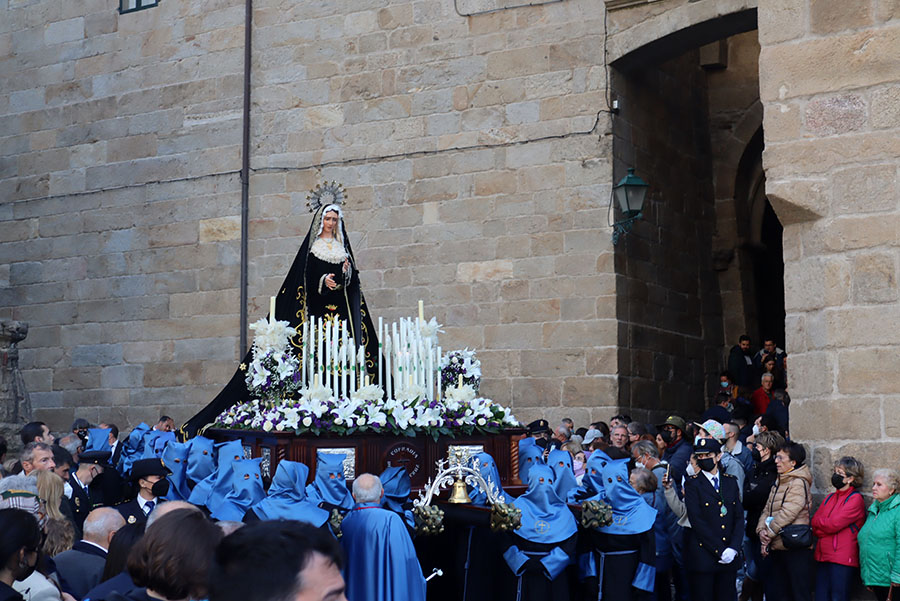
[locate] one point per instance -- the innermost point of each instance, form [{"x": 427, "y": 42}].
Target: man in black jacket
[
  {"x": 714, "y": 540},
  {"x": 91, "y": 464},
  {"x": 81, "y": 567}
]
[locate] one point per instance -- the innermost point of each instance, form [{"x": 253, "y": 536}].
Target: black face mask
[
  {"x": 160, "y": 488},
  {"x": 756, "y": 456},
  {"x": 542, "y": 442},
  {"x": 707, "y": 464},
  {"x": 837, "y": 481},
  {"x": 667, "y": 436}
]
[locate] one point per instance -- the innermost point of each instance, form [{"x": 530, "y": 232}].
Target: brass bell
[{"x": 459, "y": 494}]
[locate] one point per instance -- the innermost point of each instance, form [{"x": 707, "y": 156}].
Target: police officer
[
  {"x": 90, "y": 465},
  {"x": 717, "y": 525},
  {"x": 149, "y": 477}
]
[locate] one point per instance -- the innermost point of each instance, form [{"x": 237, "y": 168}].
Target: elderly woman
[
  {"x": 788, "y": 505},
  {"x": 879, "y": 539},
  {"x": 836, "y": 525}
]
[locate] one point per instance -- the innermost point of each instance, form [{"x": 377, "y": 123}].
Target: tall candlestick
[
  {"x": 421, "y": 311},
  {"x": 440, "y": 379},
  {"x": 344, "y": 369},
  {"x": 334, "y": 354},
  {"x": 320, "y": 363},
  {"x": 460, "y": 381},
  {"x": 271, "y": 309},
  {"x": 430, "y": 372},
  {"x": 395, "y": 350},
  {"x": 378, "y": 377},
  {"x": 326, "y": 381},
  {"x": 303, "y": 348}
]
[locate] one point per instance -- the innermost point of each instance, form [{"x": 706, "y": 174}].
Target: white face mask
[
  {"x": 755, "y": 430},
  {"x": 690, "y": 469},
  {"x": 639, "y": 465}
]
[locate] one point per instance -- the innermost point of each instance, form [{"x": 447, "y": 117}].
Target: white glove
[{"x": 728, "y": 556}]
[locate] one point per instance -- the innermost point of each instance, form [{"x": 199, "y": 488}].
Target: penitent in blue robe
[
  {"x": 201, "y": 459},
  {"x": 175, "y": 457},
  {"x": 212, "y": 490},
  {"x": 287, "y": 497},
  {"x": 246, "y": 491},
  {"x": 381, "y": 562}
]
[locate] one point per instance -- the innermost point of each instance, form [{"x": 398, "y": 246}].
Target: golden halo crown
[{"x": 326, "y": 193}]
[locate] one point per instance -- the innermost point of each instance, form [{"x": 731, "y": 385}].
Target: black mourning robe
[{"x": 297, "y": 299}]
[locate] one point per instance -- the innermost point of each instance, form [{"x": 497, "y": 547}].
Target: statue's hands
[{"x": 329, "y": 282}]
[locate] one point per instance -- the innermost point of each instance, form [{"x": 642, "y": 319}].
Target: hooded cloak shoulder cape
[
  {"x": 561, "y": 463},
  {"x": 287, "y": 497},
  {"x": 201, "y": 460},
  {"x": 381, "y": 560},
  {"x": 175, "y": 457},
  {"x": 212, "y": 490},
  {"x": 329, "y": 489},
  {"x": 485, "y": 464},
  {"x": 297, "y": 299},
  {"x": 246, "y": 490}
]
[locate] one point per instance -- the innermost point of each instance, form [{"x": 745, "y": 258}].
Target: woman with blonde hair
[{"x": 50, "y": 490}]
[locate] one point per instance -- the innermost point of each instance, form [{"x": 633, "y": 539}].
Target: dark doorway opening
[{"x": 768, "y": 270}]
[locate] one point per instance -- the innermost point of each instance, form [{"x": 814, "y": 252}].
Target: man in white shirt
[{"x": 149, "y": 476}]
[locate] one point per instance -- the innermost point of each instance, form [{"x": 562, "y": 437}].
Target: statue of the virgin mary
[{"x": 323, "y": 282}]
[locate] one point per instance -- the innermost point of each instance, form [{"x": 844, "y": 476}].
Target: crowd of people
[{"x": 719, "y": 508}]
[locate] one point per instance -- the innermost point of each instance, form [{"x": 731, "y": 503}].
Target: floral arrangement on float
[{"x": 313, "y": 395}]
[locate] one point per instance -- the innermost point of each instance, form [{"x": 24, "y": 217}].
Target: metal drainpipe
[{"x": 245, "y": 173}]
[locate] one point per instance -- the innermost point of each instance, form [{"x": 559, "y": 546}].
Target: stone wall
[
  {"x": 475, "y": 151},
  {"x": 830, "y": 86},
  {"x": 669, "y": 311}
]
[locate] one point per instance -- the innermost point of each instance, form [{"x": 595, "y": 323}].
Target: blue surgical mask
[{"x": 724, "y": 384}]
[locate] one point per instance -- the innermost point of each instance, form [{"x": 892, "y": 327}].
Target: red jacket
[
  {"x": 760, "y": 401},
  {"x": 836, "y": 524}
]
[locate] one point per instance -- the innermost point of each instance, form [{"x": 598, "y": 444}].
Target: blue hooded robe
[
  {"x": 246, "y": 491},
  {"x": 155, "y": 442},
  {"x": 561, "y": 463},
  {"x": 396, "y": 484},
  {"x": 529, "y": 454},
  {"x": 212, "y": 490},
  {"x": 381, "y": 562},
  {"x": 98, "y": 440},
  {"x": 174, "y": 457},
  {"x": 544, "y": 545},
  {"x": 287, "y": 497},
  {"x": 133, "y": 448},
  {"x": 329, "y": 487},
  {"x": 201, "y": 459},
  {"x": 623, "y": 553},
  {"x": 486, "y": 465}
]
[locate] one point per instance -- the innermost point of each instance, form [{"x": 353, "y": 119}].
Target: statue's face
[{"x": 329, "y": 223}]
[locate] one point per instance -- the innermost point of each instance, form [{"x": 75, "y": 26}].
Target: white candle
[
  {"x": 271, "y": 309},
  {"x": 303, "y": 348},
  {"x": 396, "y": 352},
  {"x": 440, "y": 380},
  {"x": 378, "y": 376},
  {"x": 430, "y": 383},
  {"x": 344, "y": 369},
  {"x": 334, "y": 356},
  {"x": 320, "y": 364},
  {"x": 386, "y": 383},
  {"x": 361, "y": 360},
  {"x": 421, "y": 311}
]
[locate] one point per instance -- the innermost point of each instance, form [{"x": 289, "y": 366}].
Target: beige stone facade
[{"x": 478, "y": 149}]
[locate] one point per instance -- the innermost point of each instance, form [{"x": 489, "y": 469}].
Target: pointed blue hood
[
  {"x": 154, "y": 443},
  {"x": 212, "y": 490},
  {"x": 330, "y": 486},
  {"x": 631, "y": 514},
  {"x": 561, "y": 463},
  {"x": 486, "y": 465},
  {"x": 246, "y": 490},
  {"x": 545, "y": 517},
  {"x": 201, "y": 459},
  {"x": 174, "y": 457},
  {"x": 133, "y": 448},
  {"x": 98, "y": 440},
  {"x": 395, "y": 481},
  {"x": 529, "y": 455},
  {"x": 287, "y": 497}
]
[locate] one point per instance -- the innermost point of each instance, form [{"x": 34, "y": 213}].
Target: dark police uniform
[
  {"x": 81, "y": 504},
  {"x": 717, "y": 524},
  {"x": 132, "y": 510}
]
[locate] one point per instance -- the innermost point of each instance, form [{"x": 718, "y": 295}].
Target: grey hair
[
  {"x": 26, "y": 483},
  {"x": 644, "y": 479},
  {"x": 768, "y": 374},
  {"x": 70, "y": 442},
  {"x": 100, "y": 523},
  {"x": 30, "y": 448},
  {"x": 367, "y": 489},
  {"x": 645, "y": 447},
  {"x": 891, "y": 477}
]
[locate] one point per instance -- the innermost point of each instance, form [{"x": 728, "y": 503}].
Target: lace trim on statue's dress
[{"x": 335, "y": 254}]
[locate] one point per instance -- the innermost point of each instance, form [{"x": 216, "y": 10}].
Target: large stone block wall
[
  {"x": 830, "y": 85},
  {"x": 474, "y": 150}
]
